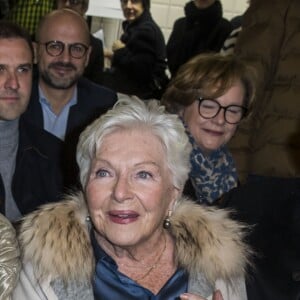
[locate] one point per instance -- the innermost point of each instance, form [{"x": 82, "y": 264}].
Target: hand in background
[
  {"x": 117, "y": 45},
  {"x": 108, "y": 53}
]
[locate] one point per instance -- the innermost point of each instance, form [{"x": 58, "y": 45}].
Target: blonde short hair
[{"x": 129, "y": 113}]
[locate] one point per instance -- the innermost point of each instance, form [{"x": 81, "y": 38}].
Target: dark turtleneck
[{"x": 206, "y": 18}]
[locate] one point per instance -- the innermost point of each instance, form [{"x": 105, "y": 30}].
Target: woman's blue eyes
[
  {"x": 101, "y": 173},
  {"x": 141, "y": 174},
  {"x": 144, "y": 175}
]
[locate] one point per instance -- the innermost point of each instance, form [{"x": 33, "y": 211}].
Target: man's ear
[
  {"x": 35, "y": 51},
  {"x": 88, "y": 56}
]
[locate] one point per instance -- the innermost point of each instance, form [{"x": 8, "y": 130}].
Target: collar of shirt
[
  {"x": 43, "y": 100},
  {"x": 56, "y": 124}
]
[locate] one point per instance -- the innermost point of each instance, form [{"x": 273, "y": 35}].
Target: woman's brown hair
[{"x": 208, "y": 75}]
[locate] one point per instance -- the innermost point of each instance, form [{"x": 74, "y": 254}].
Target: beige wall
[{"x": 164, "y": 12}]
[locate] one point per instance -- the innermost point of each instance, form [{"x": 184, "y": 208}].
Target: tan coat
[
  {"x": 55, "y": 244},
  {"x": 269, "y": 145}
]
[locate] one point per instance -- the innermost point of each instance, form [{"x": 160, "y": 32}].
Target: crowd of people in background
[{"x": 182, "y": 156}]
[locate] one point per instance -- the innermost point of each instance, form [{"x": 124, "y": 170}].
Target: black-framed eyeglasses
[
  {"x": 209, "y": 108},
  {"x": 56, "y": 48}
]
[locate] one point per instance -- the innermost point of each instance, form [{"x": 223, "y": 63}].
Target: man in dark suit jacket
[
  {"x": 62, "y": 101},
  {"x": 37, "y": 177},
  {"x": 80, "y": 115}
]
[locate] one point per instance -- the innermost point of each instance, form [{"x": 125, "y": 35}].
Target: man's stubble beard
[{"x": 59, "y": 83}]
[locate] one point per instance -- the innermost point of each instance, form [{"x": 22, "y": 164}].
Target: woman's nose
[
  {"x": 122, "y": 189},
  {"x": 220, "y": 117}
]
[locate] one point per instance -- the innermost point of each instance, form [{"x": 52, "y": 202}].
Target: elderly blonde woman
[
  {"x": 10, "y": 262},
  {"x": 129, "y": 234}
]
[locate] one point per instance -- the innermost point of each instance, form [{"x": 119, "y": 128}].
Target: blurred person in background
[
  {"x": 203, "y": 29},
  {"x": 27, "y": 13},
  {"x": 266, "y": 148},
  {"x": 231, "y": 40},
  {"x": 138, "y": 58},
  {"x": 94, "y": 69}
]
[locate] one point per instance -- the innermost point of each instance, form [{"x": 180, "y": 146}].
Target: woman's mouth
[{"x": 123, "y": 217}]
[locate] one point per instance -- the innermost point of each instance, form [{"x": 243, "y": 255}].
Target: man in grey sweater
[{"x": 29, "y": 157}]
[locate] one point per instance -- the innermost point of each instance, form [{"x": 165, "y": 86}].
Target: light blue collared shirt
[{"x": 56, "y": 124}]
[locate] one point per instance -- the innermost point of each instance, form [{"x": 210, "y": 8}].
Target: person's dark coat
[
  {"x": 37, "y": 178},
  {"x": 201, "y": 30},
  {"x": 272, "y": 207},
  {"x": 92, "y": 101},
  {"x": 94, "y": 69},
  {"x": 139, "y": 68},
  {"x": 273, "y": 131}
]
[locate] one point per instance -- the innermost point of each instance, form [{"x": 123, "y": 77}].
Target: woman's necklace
[{"x": 152, "y": 267}]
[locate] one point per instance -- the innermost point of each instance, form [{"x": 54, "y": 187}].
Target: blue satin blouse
[{"x": 110, "y": 284}]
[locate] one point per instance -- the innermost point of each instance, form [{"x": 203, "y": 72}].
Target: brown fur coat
[{"x": 55, "y": 240}]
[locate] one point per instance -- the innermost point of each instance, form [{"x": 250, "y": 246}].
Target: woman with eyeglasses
[{"x": 212, "y": 94}]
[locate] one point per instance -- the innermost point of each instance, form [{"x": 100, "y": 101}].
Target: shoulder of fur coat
[{"x": 55, "y": 239}]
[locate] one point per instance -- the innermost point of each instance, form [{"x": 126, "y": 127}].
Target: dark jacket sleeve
[
  {"x": 174, "y": 52},
  {"x": 94, "y": 69},
  {"x": 38, "y": 175},
  {"x": 139, "y": 54}
]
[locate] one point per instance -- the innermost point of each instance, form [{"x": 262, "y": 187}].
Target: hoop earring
[{"x": 167, "y": 221}]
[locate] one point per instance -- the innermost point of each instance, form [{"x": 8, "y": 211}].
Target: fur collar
[{"x": 55, "y": 239}]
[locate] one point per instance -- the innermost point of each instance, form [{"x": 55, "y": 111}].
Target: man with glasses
[
  {"x": 62, "y": 101},
  {"x": 94, "y": 69}
]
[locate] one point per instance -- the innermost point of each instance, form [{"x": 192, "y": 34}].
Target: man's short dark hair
[{"x": 11, "y": 30}]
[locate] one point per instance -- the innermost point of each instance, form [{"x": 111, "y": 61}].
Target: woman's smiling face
[
  {"x": 211, "y": 134},
  {"x": 132, "y": 9},
  {"x": 130, "y": 189}
]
